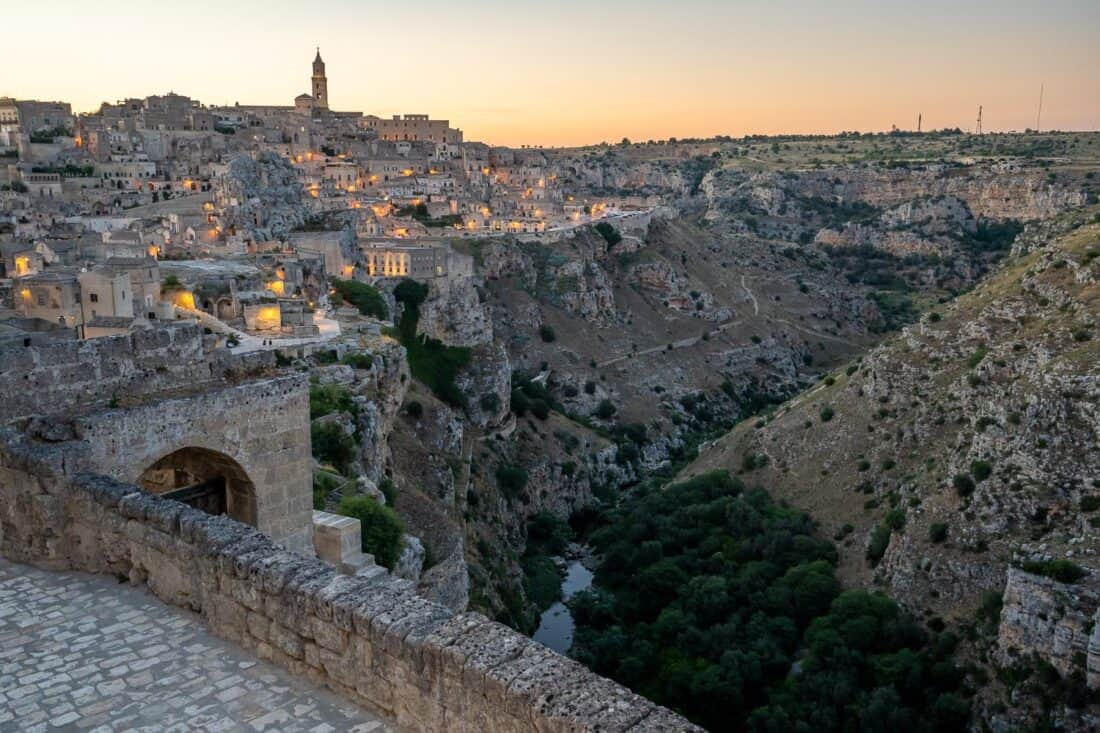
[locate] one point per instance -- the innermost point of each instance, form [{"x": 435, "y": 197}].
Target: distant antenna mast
[
  {"x": 919, "y": 121},
  {"x": 1039, "y": 116},
  {"x": 979, "y": 128}
]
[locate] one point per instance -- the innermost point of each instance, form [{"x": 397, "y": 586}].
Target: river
[{"x": 556, "y": 624}]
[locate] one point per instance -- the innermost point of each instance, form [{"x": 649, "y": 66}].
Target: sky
[{"x": 573, "y": 72}]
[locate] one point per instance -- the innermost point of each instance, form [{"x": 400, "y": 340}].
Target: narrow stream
[{"x": 556, "y": 624}]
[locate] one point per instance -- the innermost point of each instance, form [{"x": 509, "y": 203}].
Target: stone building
[
  {"x": 413, "y": 128},
  {"x": 319, "y": 82},
  {"x": 50, "y": 296}
]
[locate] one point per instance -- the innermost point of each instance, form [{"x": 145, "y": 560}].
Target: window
[{"x": 94, "y": 297}]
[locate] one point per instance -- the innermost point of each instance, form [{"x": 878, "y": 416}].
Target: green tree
[{"x": 383, "y": 533}]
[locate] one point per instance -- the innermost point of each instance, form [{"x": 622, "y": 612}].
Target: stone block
[{"x": 286, "y": 641}]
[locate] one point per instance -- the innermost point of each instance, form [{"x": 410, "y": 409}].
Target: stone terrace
[
  {"x": 85, "y": 653},
  {"x": 369, "y": 638}
]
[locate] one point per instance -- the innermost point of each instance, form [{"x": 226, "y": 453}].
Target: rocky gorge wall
[
  {"x": 1056, "y": 621},
  {"x": 370, "y": 638}
]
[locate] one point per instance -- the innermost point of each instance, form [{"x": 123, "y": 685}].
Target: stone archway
[{"x": 206, "y": 479}]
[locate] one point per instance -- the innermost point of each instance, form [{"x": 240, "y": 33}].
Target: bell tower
[{"x": 320, "y": 82}]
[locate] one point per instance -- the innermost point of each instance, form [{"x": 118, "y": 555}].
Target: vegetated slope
[{"x": 971, "y": 437}]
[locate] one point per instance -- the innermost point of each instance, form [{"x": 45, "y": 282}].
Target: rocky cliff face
[
  {"x": 1058, "y": 622},
  {"x": 986, "y": 191},
  {"x": 261, "y": 195}
]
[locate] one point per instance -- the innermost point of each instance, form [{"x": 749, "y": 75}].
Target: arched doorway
[{"x": 205, "y": 479}]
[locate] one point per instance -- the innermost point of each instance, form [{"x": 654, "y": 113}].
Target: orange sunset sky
[{"x": 570, "y": 72}]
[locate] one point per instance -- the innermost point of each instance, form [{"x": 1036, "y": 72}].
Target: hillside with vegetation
[{"x": 967, "y": 445}]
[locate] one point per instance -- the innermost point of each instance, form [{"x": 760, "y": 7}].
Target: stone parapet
[
  {"x": 368, "y": 637},
  {"x": 48, "y": 376}
]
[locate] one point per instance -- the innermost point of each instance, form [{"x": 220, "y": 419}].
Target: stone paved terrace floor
[{"x": 84, "y": 652}]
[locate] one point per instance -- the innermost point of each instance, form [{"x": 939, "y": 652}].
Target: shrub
[
  {"x": 364, "y": 297},
  {"x": 546, "y": 333},
  {"x": 1090, "y": 503},
  {"x": 325, "y": 399},
  {"x": 937, "y": 533},
  {"x": 540, "y": 409},
  {"x": 895, "y": 519},
  {"x": 605, "y": 410},
  {"x": 489, "y": 402},
  {"x": 382, "y": 531},
  {"x": 880, "y": 540},
  {"x": 980, "y": 470},
  {"x": 389, "y": 490},
  {"x": 827, "y": 413},
  {"x": 753, "y": 461},
  {"x": 977, "y": 357},
  {"x": 963, "y": 484},
  {"x": 414, "y": 409},
  {"x": 590, "y": 387},
  {"x": 548, "y": 534},
  {"x": 1064, "y": 571},
  {"x": 511, "y": 480},
  {"x": 541, "y": 581},
  {"x": 359, "y": 361},
  {"x": 324, "y": 484},
  {"x": 609, "y": 233},
  {"x": 332, "y": 445}
]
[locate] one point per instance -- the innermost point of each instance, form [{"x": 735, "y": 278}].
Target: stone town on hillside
[
  {"x": 161, "y": 208},
  {"x": 159, "y": 260}
]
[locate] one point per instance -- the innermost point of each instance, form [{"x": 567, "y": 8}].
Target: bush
[
  {"x": 980, "y": 470},
  {"x": 964, "y": 485},
  {"x": 880, "y": 540},
  {"x": 590, "y": 387},
  {"x": 937, "y": 533},
  {"x": 324, "y": 484},
  {"x": 389, "y": 490},
  {"x": 753, "y": 461},
  {"x": 489, "y": 402},
  {"x": 359, "y": 361},
  {"x": 414, "y": 409},
  {"x": 364, "y": 297},
  {"x": 1064, "y": 571},
  {"x": 609, "y": 233},
  {"x": 605, "y": 410},
  {"x": 827, "y": 413},
  {"x": 511, "y": 480},
  {"x": 541, "y": 581},
  {"x": 546, "y": 333},
  {"x": 1090, "y": 503},
  {"x": 548, "y": 534},
  {"x": 895, "y": 519},
  {"x": 325, "y": 399},
  {"x": 383, "y": 532},
  {"x": 332, "y": 445}
]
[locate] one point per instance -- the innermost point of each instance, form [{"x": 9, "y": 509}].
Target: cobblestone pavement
[{"x": 84, "y": 652}]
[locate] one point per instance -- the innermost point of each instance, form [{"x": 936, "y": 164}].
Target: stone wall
[
  {"x": 263, "y": 426},
  {"x": 370, "y": 638},
  {"x": 1058, "y": 622},
  {"x": 45, "y": 376}
]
